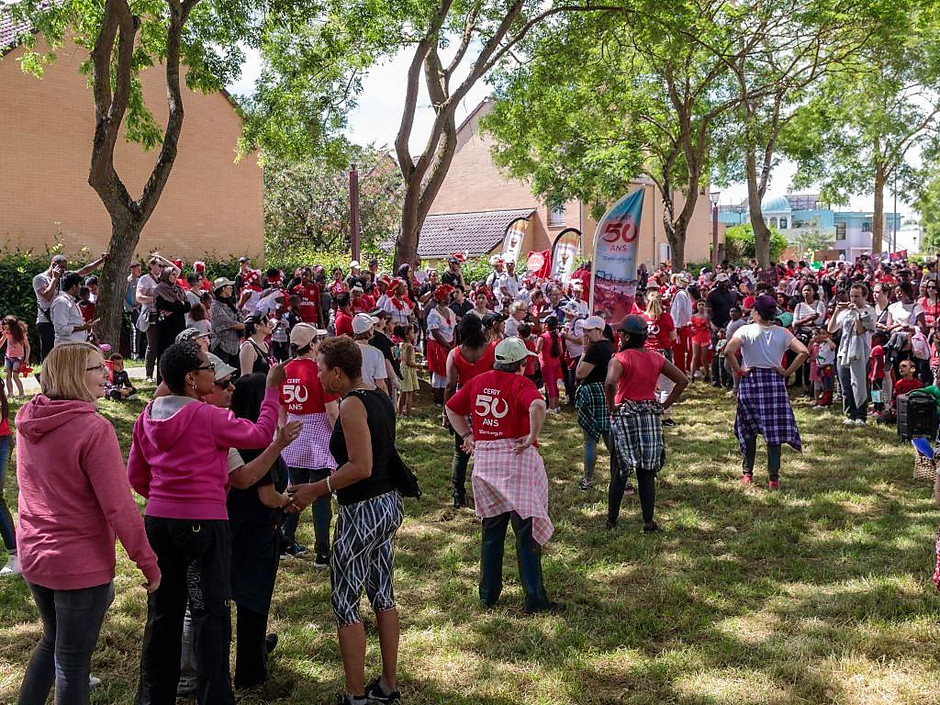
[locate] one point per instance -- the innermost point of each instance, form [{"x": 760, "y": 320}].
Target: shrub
[{"x": 739, "y": 242}]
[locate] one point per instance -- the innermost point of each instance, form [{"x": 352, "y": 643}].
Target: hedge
[{"x": 18, "y": 267}]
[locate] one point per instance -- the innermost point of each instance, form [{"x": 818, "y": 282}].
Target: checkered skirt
[
  {"x": 764, "y": 409},
  {"x": 593, "y": 416},
  {"x": 506, "y": 482},
  {"x": 636, "y": 432}
]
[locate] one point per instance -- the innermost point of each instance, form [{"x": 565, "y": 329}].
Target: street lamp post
[{"x": 713, "y": 197}]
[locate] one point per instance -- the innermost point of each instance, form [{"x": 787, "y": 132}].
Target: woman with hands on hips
[
  {"x": 763, "y": 403},
  {"x": 509, "y": 480}
]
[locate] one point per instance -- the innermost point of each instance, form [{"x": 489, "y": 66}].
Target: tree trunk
[
  {"x": 675, "y": 236},
  {"x": 125, "y": 234},
  {"x": 406, "y": 247},
  {"x": 759, "y": 225},
  {"x": 878, "y": 217}
]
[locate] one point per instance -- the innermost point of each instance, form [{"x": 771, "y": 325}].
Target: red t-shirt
[
  {"x": 641, "y": 370},
  {"x": 877, "y": 363},
  {"x": 468, "y": 370},
  {"x": 344, "y": 324},
  {"x": 903, "y": 386},
  {"x": 530, "y": 361},
  {"x": 660, "y": 329},
  {"x": 302, "y": 392},
  {"x": 309, "y": 307},
  {"x": 498, "y": 403},
  {"x": 364, "y": 304}
]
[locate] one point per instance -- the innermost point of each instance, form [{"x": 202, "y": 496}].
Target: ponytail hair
[{"x": 552, "y": 324}]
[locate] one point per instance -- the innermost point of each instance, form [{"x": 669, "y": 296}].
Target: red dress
[{"x": 701, "y": 333}]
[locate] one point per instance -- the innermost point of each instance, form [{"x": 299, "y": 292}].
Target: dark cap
[
  {"x": 633, "y": 323},
  {"x": 491, "y": 319}
]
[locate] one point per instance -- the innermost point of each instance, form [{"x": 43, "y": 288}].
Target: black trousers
[
  {"x": 195, "y": 559},
  {"x": 251, "y": 651},
  {"x": 322, "y": 512},
  {"x": 646, "y": 489},
  {"x": 528, "y": 554},
  {"x": 46, "y": 338},
  {"x": 458, "y": 470}
]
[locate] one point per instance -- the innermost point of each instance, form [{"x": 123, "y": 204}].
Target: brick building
[
  {"x": 210, "y": 205},
  {"x": 475, "y": 191}
]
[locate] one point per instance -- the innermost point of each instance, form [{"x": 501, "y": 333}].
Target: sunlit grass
[{"x": 819, "y": 593}]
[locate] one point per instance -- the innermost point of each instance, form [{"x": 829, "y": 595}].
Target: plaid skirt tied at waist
[
  {"x": 764, "y": 409},
  {"x": 636, "y": 430},
  {"x": 506, "y": 482},
  {"x": 593, "y": 416}
]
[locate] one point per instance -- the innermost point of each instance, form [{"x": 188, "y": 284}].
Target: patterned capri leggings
[{"x": 364, "y": 554}]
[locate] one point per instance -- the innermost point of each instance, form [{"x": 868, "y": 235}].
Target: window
[
  {"x": 866, "y": 226},
  {"x": 773, "y": 222},
  {"x": 556, "y": 216},
  {"x": 840, "y": 231},
  {"x": 783, "y": 223}
]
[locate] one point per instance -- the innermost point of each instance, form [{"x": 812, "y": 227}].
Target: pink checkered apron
[{"x": 506, "y": 482}]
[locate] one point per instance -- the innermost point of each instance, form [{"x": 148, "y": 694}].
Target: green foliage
[
  {"x": 739, "y": 241},
  {"x": 928, "y": 204},
  {"x": 306, "y": 203}
]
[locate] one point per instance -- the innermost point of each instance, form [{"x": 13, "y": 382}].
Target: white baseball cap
[
  {"x": 363, "y": 322},
  {"x": 512, "y": 350},
  {"x": 593, "y": 323}
]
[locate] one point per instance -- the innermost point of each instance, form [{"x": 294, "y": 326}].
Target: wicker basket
[{"x": 924, "y": 467}]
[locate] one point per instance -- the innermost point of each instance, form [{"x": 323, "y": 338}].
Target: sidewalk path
[{"x": 31, "y": 384}]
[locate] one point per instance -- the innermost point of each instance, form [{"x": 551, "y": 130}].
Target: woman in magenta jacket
[
  {"x": 73, "y": 500},
  {"x": 179, "y": 462}
]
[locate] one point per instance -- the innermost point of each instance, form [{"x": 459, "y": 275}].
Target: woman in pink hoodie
[
  {"x": 179, "y": 462},
  {"x": 73, "y": 499}
]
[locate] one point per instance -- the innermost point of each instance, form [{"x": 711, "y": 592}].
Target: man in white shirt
[
  {"x": 46, "y": 286},
  {"x": 681, "y": 312},
  {"x": 508, "y": 282},
  {"x": 67, "y": 319},
  {"x": 373, "y": 361}
]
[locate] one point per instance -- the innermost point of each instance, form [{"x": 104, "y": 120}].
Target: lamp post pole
[
  {"x": 354, "y": 211},
  {"x": 713, "y": 197}
]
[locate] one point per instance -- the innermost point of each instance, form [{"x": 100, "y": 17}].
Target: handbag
[{"x": 403, "y": 477}]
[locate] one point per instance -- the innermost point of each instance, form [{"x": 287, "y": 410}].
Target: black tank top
[
  {"x": 263, "y": 360},
  {"x": 381, "y": 418}
]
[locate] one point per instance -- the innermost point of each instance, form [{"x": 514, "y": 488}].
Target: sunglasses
[{"x": 224, "y": 383}]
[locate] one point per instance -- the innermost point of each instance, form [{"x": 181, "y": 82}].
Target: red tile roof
[{"x": 475, "y": 233}]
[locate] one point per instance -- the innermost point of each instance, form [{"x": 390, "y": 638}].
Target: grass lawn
[{"x": 819, "y": 593}]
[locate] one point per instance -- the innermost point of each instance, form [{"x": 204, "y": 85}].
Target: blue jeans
[
  {"x": 71, "y": 620},
  {"x": 7, "y": 532}
]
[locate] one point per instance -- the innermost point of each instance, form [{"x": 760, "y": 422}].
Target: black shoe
[
  {"x": 270, "y": 643},
  {"x": 460, "y": 502},
  {"x": 610, "y": 524},
  {"x": 651, "y": 528},
  {"x": 343, "y": 699},
  {"x": 669, "y": 422},
  {"x": 375, "y": 694},
  {"x": 322, "y": 560},
  {"x": 296, "y": 550},
  {"x": 550, "y": 606}
]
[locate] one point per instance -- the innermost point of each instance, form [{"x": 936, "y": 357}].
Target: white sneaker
[
  {"x": 93, "y": 681},
  {"x": 848, "y": 422},
  {"x": 11, "y": 568},
  {"x": 860, "y": 422}
]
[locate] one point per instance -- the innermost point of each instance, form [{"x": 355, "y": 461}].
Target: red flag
[{"x": 539, "y": 264}]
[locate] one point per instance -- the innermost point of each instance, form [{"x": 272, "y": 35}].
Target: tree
[
  {"x": 598, "y": 102},
  {"x": 123, "y": 38},
  {"x": 928, "y": 205},
  {"x": 873, "y": 108},
  {"x": 306, "y": 203},
  {"x": 741, "y": 244},
  {"x": 453, "y": 44}
]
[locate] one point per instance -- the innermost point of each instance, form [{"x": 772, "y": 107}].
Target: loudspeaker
[{"x": 917, "y": 416}]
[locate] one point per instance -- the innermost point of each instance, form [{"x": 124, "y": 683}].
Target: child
[
  {"x": 876, "y": 376},
  {"x": 548, "y": 347},
  {"x": 531, "y": 365},
  {"x": 199, "y": 319},
  {"x": 119, "y": 388},
  {"x": 823, "y": 369},
  {"x": 409, "y": 368},
  {"x": 908, "y": 381},
  {"x": 280, "y": 334},
  {"x": 15, "y": 344},
  {"x": 701, "y": 342}
]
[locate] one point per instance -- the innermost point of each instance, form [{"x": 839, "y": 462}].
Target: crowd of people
[{"x": 280, "y": 392}]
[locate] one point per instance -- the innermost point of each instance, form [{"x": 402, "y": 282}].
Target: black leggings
[
  {"x": 646, "y": 488},
  {"x": 773, "y": 458}
]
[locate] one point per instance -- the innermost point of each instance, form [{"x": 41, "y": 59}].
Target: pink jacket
[
  {"x": 179, "y": 454},
  {"x": 73, "y": 497}
]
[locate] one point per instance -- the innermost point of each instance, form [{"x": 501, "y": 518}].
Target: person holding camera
[
  {"x": 68, "y": 324},
  {"x": 47, "y": 286},
  {"x": 856, "y": 320}
]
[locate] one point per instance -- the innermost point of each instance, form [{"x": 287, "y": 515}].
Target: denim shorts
[{"x": 12, "y": 364}]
